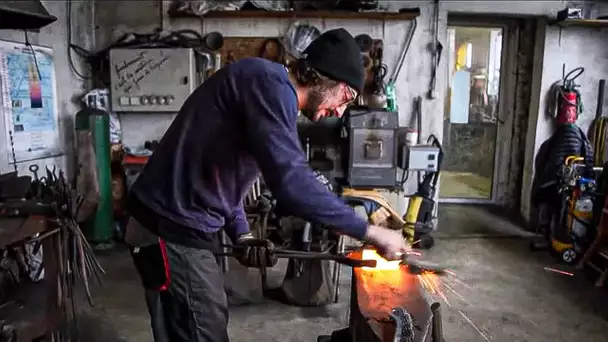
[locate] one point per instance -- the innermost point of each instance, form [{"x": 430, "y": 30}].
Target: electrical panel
[
  {"x": 420, "y": 158},
  {"x": 151, "y": 80}
]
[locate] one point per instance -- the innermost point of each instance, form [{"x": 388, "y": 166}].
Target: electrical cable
[
  {"x": 99, "y": 61},
  {"x": 598, "y": 137},
  {"x": 405, "y": 175},
  {"x": 27, "y": 43},
  {"x": 435, "y": 141},
  {"x": 70, "y": 45}
]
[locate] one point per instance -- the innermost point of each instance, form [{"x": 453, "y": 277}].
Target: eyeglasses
[{"x": 349, "y": 96}]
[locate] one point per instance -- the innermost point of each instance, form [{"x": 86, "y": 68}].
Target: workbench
[{"x": 33, "y": 310}]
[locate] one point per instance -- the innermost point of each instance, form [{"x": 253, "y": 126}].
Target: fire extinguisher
[{"x": 568, "y": 103}]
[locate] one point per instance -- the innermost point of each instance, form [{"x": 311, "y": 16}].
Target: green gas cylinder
[{"x": 93, "y": 126}]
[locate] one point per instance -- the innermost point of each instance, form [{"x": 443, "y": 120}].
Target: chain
[{"x": 10, "y": 134}]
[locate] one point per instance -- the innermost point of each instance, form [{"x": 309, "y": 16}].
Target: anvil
[{"x": 389, "y": 306}]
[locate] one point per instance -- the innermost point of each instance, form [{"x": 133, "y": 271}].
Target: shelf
[
  {"x": 405, "y": 14},
  {"x": 599, "y": 23}
]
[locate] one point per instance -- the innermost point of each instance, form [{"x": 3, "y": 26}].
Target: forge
[{"x": 388, "y": 304}]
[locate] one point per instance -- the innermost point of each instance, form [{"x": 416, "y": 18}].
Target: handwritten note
[{"x": 131, "y": 72}]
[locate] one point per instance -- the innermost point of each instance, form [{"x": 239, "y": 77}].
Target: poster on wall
[{"x": 29, "y": 101}]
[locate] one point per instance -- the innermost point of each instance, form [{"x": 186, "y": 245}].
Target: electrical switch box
[
  {"x": 420, "y": 158},
  {"x": 151, "y": 80}
]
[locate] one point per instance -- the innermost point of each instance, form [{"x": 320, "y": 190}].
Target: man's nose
[{"x": 340, "y": 110}]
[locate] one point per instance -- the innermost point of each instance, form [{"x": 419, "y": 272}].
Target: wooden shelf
[
  {"x": 406, "y": 14},
  {"x": 599, "y": 23}
]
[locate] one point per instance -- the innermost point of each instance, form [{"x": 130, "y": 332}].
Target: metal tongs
[{"x": 302, "y": 255}]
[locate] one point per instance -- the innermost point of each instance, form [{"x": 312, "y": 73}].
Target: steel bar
[
  {"x": 288, "y": 254},
  {"x": 437, "y": 333},
  {"x": 338, "y": 269}
]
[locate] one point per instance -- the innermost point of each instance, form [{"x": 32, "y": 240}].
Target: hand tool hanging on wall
[
  {"x": 598, "y": 130},
  {"x": 276, "y": 53},
  {"x": 379, "y": 99},
  {"x": 390, "y": 86},
  {"x": 436, "y": 48}
]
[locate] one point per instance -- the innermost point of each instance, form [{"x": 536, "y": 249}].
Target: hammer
[{"x": 417, "y": 266}]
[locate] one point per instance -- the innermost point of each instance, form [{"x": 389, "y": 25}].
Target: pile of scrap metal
[
  {"x": 389, "y": 304},
  {"x": 51, "y": 198}
]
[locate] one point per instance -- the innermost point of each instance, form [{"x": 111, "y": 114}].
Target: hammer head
[{"x": 419, "y": 266}]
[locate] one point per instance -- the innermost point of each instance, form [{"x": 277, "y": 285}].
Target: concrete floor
[
  {"x": 508, "y": 296},
  {"x": 464, "y": 185}
]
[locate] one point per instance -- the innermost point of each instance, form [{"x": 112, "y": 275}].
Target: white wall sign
[{"x": 29, "y": 101}]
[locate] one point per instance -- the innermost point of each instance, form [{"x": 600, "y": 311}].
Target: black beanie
[{"x": 336, "y": 55}]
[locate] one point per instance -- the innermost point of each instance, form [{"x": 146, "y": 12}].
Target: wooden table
[{"x": 33, "y": 310}]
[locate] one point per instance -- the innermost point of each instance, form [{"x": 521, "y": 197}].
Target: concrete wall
[
  {"x": 69, "y": 87},
  {"x": 573, "y": 46},
  {"x": 114, "y": 18}
]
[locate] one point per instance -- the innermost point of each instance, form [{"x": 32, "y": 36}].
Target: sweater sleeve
[
  {"x": 237, "y": 224},
  {"x": 270, "y": 109}
]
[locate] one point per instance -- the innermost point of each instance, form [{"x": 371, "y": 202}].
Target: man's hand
[
  {"x": 255, "y": 252},
  {"x": 390, "y": 243}
]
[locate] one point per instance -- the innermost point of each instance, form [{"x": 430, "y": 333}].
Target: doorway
[{"x": 475, "y": 132}]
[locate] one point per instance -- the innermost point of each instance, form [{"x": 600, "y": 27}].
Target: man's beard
[{"x": 316, "y": 97}]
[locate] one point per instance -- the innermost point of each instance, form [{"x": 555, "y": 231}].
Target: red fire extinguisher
[{"x": 569, "y": 105}]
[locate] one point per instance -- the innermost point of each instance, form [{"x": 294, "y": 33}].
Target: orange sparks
[
  {"x": 454, "y": 291},
  {"x": 381, "y": 263},
  {"x": 431, "y": 283},
  {"x": 466, "y": 318},
  {"x": 559, "y": 271},
  {"x": 450, "y": 273}
]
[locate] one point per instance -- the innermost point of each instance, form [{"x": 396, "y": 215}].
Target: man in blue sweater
[{"x": 240, "y": 121}]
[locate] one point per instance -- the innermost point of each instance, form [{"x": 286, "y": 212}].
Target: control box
[
  {"x": 151, "y": 80},
  {"x": 420, "y": 158}
]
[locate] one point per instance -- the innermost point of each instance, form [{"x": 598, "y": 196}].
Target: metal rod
[
  {"x": 316, "y": 256},
  {"x": 338, "y": 269},
  {"x": 437, "y": 333},
  {"x": 337, "y": 258},
  {"x": 307, "y": 236}
]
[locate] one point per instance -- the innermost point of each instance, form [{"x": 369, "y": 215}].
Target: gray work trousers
[{"x": 191, "y": 305}]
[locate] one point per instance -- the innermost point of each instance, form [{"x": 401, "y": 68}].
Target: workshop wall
[
  {"x": 69, "y": 87},
  {"x": 114, "y": 18},
  {"x": 574, "y": 46}
]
